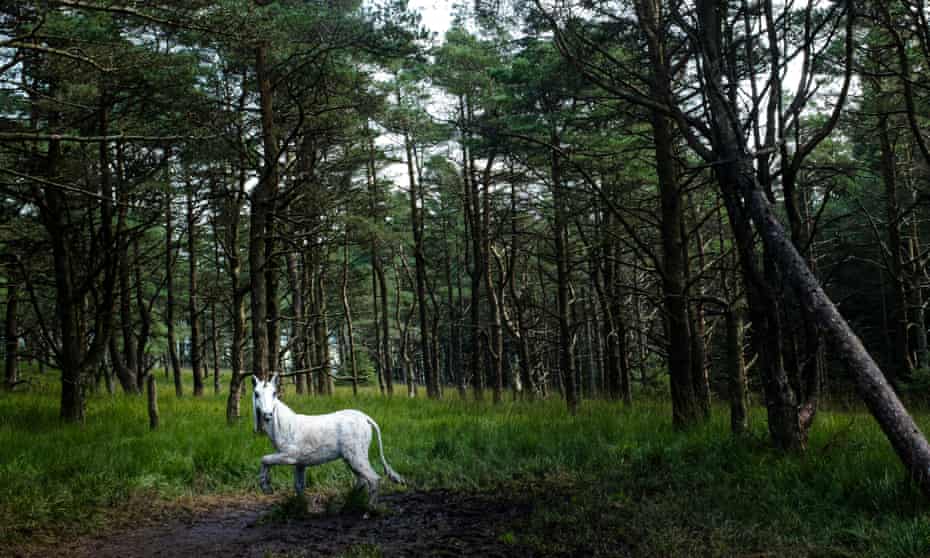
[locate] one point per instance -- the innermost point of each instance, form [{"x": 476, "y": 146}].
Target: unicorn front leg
[
  {"x": 264, "y": 477},
  {"x": 300, "y": 478}
]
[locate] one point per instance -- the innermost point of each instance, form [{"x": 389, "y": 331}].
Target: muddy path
[{"x": 421, "y": 523}]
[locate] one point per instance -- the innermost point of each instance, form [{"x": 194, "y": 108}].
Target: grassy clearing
[{"x": 606, "y": 477}]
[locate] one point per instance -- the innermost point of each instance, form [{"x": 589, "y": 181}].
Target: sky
[{"x": 437, "y": 14}]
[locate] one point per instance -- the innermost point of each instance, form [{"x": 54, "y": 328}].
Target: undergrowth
[{"x": 609, "y": 476}]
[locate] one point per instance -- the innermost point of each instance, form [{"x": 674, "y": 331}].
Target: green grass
[{"x": 610, "y": 474}]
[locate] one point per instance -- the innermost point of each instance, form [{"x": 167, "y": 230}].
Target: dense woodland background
[{"x": 554, "y": 199}]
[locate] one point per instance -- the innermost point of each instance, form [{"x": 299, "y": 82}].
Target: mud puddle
[{"x": 425, "y": 523}]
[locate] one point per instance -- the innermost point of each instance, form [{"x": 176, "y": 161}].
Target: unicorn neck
[
  {"x": 282, "y": 409},
  {"x": 281, "y": 422}
]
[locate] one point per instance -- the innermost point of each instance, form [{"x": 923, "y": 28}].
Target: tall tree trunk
[
  {"x": 75, "y": 357},
  {"x": 404, "y": 329},
  {"x": 11, "y": 336},
  {"x": 563, "y": 273},
  {"x": 347, "y": 309},
  {"x": 263, "y": 196},
  {"x": 736, "y": 372},
  {"x": 901, "y": 366},
  {"x": 699, "y": 373},
  {"x": 432, "y": 382},
  {"x": 192, "y": 310},
  {"x": 297, "y": 321},
  {"x": 917, "y": 303},
  {"x": 376, "y": 322},
  {"x": 169, "y": 294},
  {"x": 214, "y": 330},
  {"x": 54, "y": 219},
  {"x": 143, "y": 361},
  {"x": 151, "y": 391},
  {"x": 685, "y": 406},
  {"x": 127, "y": 375},
  {"x": 233, "y": 269},
  {"x": 385, "y": 329},
  {"x": 271, "y": 285},
  {"x": 378, "y": 295},
  {"x": 495, "y": 328},
  {"x": 473, "y": 226},
  {"x": 321, "y": 334}
]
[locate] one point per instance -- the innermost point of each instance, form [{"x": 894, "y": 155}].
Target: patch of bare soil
[{"x": 430, "y": 523}]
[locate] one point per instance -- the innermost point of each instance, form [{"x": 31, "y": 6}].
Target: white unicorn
[{"x": 302, "y": 440}]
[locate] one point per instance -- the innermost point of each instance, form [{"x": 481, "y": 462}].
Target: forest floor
[
  {"x": 515, "y": 479},
  {"x": 411, "y": 523}
]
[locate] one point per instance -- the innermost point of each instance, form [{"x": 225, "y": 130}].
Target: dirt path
[{"x": 434, "y": 523}]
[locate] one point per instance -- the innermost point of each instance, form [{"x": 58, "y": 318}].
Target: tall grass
[{"x": 700, "y": 492}]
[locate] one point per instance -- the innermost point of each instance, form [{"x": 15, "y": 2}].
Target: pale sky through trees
[{"x": 437, "y": 14}]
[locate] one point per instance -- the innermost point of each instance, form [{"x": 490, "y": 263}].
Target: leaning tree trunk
[
  {"x": 736, "y": 175},
  {"x": 897, "y": 424}
]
